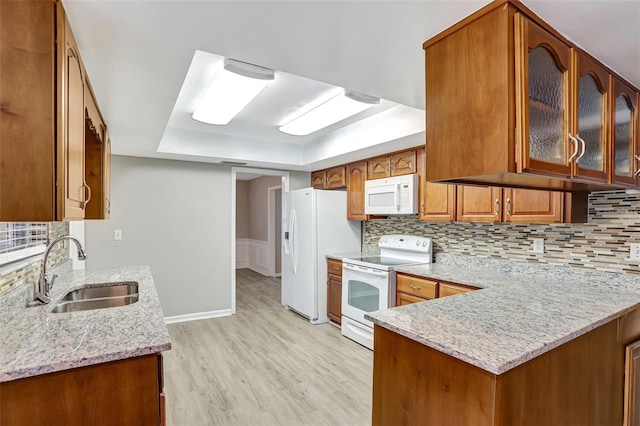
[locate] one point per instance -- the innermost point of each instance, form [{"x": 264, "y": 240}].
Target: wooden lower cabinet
[
  {"x": 632, "y": 385},
  {"x": 334, "y": 290},
  {"x": 578, "y": 383},
  {"x": 449, "y": 289},
  {"x": 124, "y": 392}
]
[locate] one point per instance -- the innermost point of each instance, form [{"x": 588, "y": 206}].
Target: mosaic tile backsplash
[
  {"x": 14, "y": 277},
  {"x": 602, "y": 243}
]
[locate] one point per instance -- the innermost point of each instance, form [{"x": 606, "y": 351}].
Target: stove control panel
[{"x": 405, "y": 243}]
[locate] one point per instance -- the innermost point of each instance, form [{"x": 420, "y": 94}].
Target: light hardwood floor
[{"x": 265, "y": 365}]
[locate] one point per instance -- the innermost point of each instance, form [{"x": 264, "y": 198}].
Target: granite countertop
[
  {"x": 522, "y": 311},
  {"x": 34, "y": 341}
]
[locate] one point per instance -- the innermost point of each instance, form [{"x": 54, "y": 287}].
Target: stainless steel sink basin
[{"x": 98, "y": 296}]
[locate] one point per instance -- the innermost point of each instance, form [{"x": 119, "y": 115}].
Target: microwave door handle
[{"x": 396, "y": 196}]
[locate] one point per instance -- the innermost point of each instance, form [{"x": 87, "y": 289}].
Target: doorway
[{"x": 256, "y": 222}]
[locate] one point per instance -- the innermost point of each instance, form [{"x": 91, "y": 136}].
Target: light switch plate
[
  {"x": 538, "y": 245},
  {"x": 117, "y": 234},
  {"x": 635, "y": 251}
]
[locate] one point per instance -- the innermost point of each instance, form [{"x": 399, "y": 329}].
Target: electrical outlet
[
  {"x": 117, "y": 234},
  {"x": 538, "y": 245},
  {"x": 635, "y": 251}
]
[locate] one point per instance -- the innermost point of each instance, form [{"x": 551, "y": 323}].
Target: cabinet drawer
[
  {"x": 417, "y": 286},
  {"x": 448, "y": 289},
  {"x": 334, "y": 267},
  {"x": 407, "y": 299}
]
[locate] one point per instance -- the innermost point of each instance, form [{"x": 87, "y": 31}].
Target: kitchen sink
[{"x": 98, "y": 296}]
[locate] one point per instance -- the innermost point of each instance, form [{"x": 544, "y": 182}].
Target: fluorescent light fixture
[
  {"x": 231, "y": 90},
  {"x": 335, "y": 109}
]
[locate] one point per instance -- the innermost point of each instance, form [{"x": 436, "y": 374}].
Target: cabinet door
[
  {"x": 356, "y": 176},
  {"x": 378, "y": 167},
  {"x": 624, "y": 133},
  {"x": 94, "y": 159},
  {"x": 437, "y": 200},
  {"x": 403, "y": 163},
  {"x": 529, "y": 205},
  {"x": 591, "y": 118},
  {"x": 478, "y": 204},
  {"x": 318, "y": 179},
  {"x": 543, "y": 94},
  {"x": 334, "y": 298},
  {"x": 403, "y": 299},
  {"x": 632, "y": 385},
  {"x": 448, "y": 289},
  {"x": 335, "y": 177},
  {"x": 72, "y": 146}
]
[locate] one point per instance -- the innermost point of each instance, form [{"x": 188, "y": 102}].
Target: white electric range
[{"x": 369, "y": 282}]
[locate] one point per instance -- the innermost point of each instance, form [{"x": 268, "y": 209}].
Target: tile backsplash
[
  {"x": 603, "y": 243},
  {"x": 14, "y": 276}
]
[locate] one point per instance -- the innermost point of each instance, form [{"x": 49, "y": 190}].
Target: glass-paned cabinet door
[
  {"x": 544, "y": 65},
  {"x": 591, "y": 119},
  {"x": 624, "y": 136}
]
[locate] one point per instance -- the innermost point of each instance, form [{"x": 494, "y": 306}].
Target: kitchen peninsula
[{"x": 537, "y": 345}]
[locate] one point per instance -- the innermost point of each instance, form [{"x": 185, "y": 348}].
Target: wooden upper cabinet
[
  {"x": 528, "y": 205},
  {"x": 624, "y": 134},
  {"x": 550, "y": 106},
  {"x": 396, "y": 164},
  {"x": 543, "y": 66},
  {"x": 42, "y": 125},
  {"x": 378, "y": 167},
  {"x": 403, "y": 163},
  {"x": 336, "y": 177},
  {"x": 356, "y": 176},
  {"x": 437, "y": 201},
  {"x": 318, "y": 179},
  {"x": 479, "y": 204},
  {"x": 97, "y": 160},
  {"x": 590, "y": 118}
]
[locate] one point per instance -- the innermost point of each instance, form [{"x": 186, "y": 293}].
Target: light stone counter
[
  {"x": 34, "y": 341},
  {"x": 522, "y": 311}
]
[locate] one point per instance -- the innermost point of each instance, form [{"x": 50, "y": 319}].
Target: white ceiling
[{"x": 137, "y": 54}]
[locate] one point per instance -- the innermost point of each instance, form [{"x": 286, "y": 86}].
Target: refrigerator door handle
[{"x": 292, "y": 241}]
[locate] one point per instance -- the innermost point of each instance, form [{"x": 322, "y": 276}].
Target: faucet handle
[{"x": 50, "y": 283}]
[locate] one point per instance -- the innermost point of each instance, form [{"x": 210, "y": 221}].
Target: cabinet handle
[
  {"x": 496, "y": 210},
  {"x": 335, "y": 267},
  {"x": 422, "y": 208},
  {"x": 84, "y": 184},
  {"x": 508, "y": 206},
  {"x": 637, "y": 173},
  {"x": 415, "y": 287},
  {"x": 583, "y": 147},
  {"x": 575, "y": 148}
]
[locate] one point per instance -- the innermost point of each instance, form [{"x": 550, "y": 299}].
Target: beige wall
[
  {"x": 242, "y": 209},
  {"x": 259, "y": 205}
]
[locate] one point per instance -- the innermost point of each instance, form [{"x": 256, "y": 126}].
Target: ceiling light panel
[
  {"x": 338, "y": 108},
  {"x": 233, "y": 87}
]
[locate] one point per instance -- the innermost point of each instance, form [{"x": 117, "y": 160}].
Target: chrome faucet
[{"x": 43, "y": 286}]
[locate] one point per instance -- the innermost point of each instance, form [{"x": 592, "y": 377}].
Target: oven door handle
[{"x": 367, "y": 271}]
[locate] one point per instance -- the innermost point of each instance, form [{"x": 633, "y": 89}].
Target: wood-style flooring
[{"x": 265, "y": 365}]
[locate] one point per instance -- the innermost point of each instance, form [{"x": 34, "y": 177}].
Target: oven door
[{"x": 363, "y": 290}]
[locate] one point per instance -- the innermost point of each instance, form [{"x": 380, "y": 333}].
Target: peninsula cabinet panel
[
  {"x": 125, "y": 392},
  {"x": 577, "y": 383},
  {"x": 632, "y": 385},
  {"x": 356, "y": 176}
]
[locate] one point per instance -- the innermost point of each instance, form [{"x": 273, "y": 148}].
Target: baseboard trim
[
  {"x": 197, "y": 316},
  {"x": 262, "y": 270}
]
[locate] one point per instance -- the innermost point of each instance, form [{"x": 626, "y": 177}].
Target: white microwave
[{"x": 394, "y": 195}]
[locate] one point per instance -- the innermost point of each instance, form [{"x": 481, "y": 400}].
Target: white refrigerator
[{"x": 314, "y": 224}]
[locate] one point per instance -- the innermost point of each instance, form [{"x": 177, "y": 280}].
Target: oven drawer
[
  {"x": 415, "y": 286},
  {"x": 334, "y": 267}
]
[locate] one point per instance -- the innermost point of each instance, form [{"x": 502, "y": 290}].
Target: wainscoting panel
[
  {"x": 242, "y": 253},
  {"x": 252, "y": 254}
]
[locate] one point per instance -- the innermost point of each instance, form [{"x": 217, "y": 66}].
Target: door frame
[
  {"x": 234, "y": 171},
  {"x": 271, "y": 228}
]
